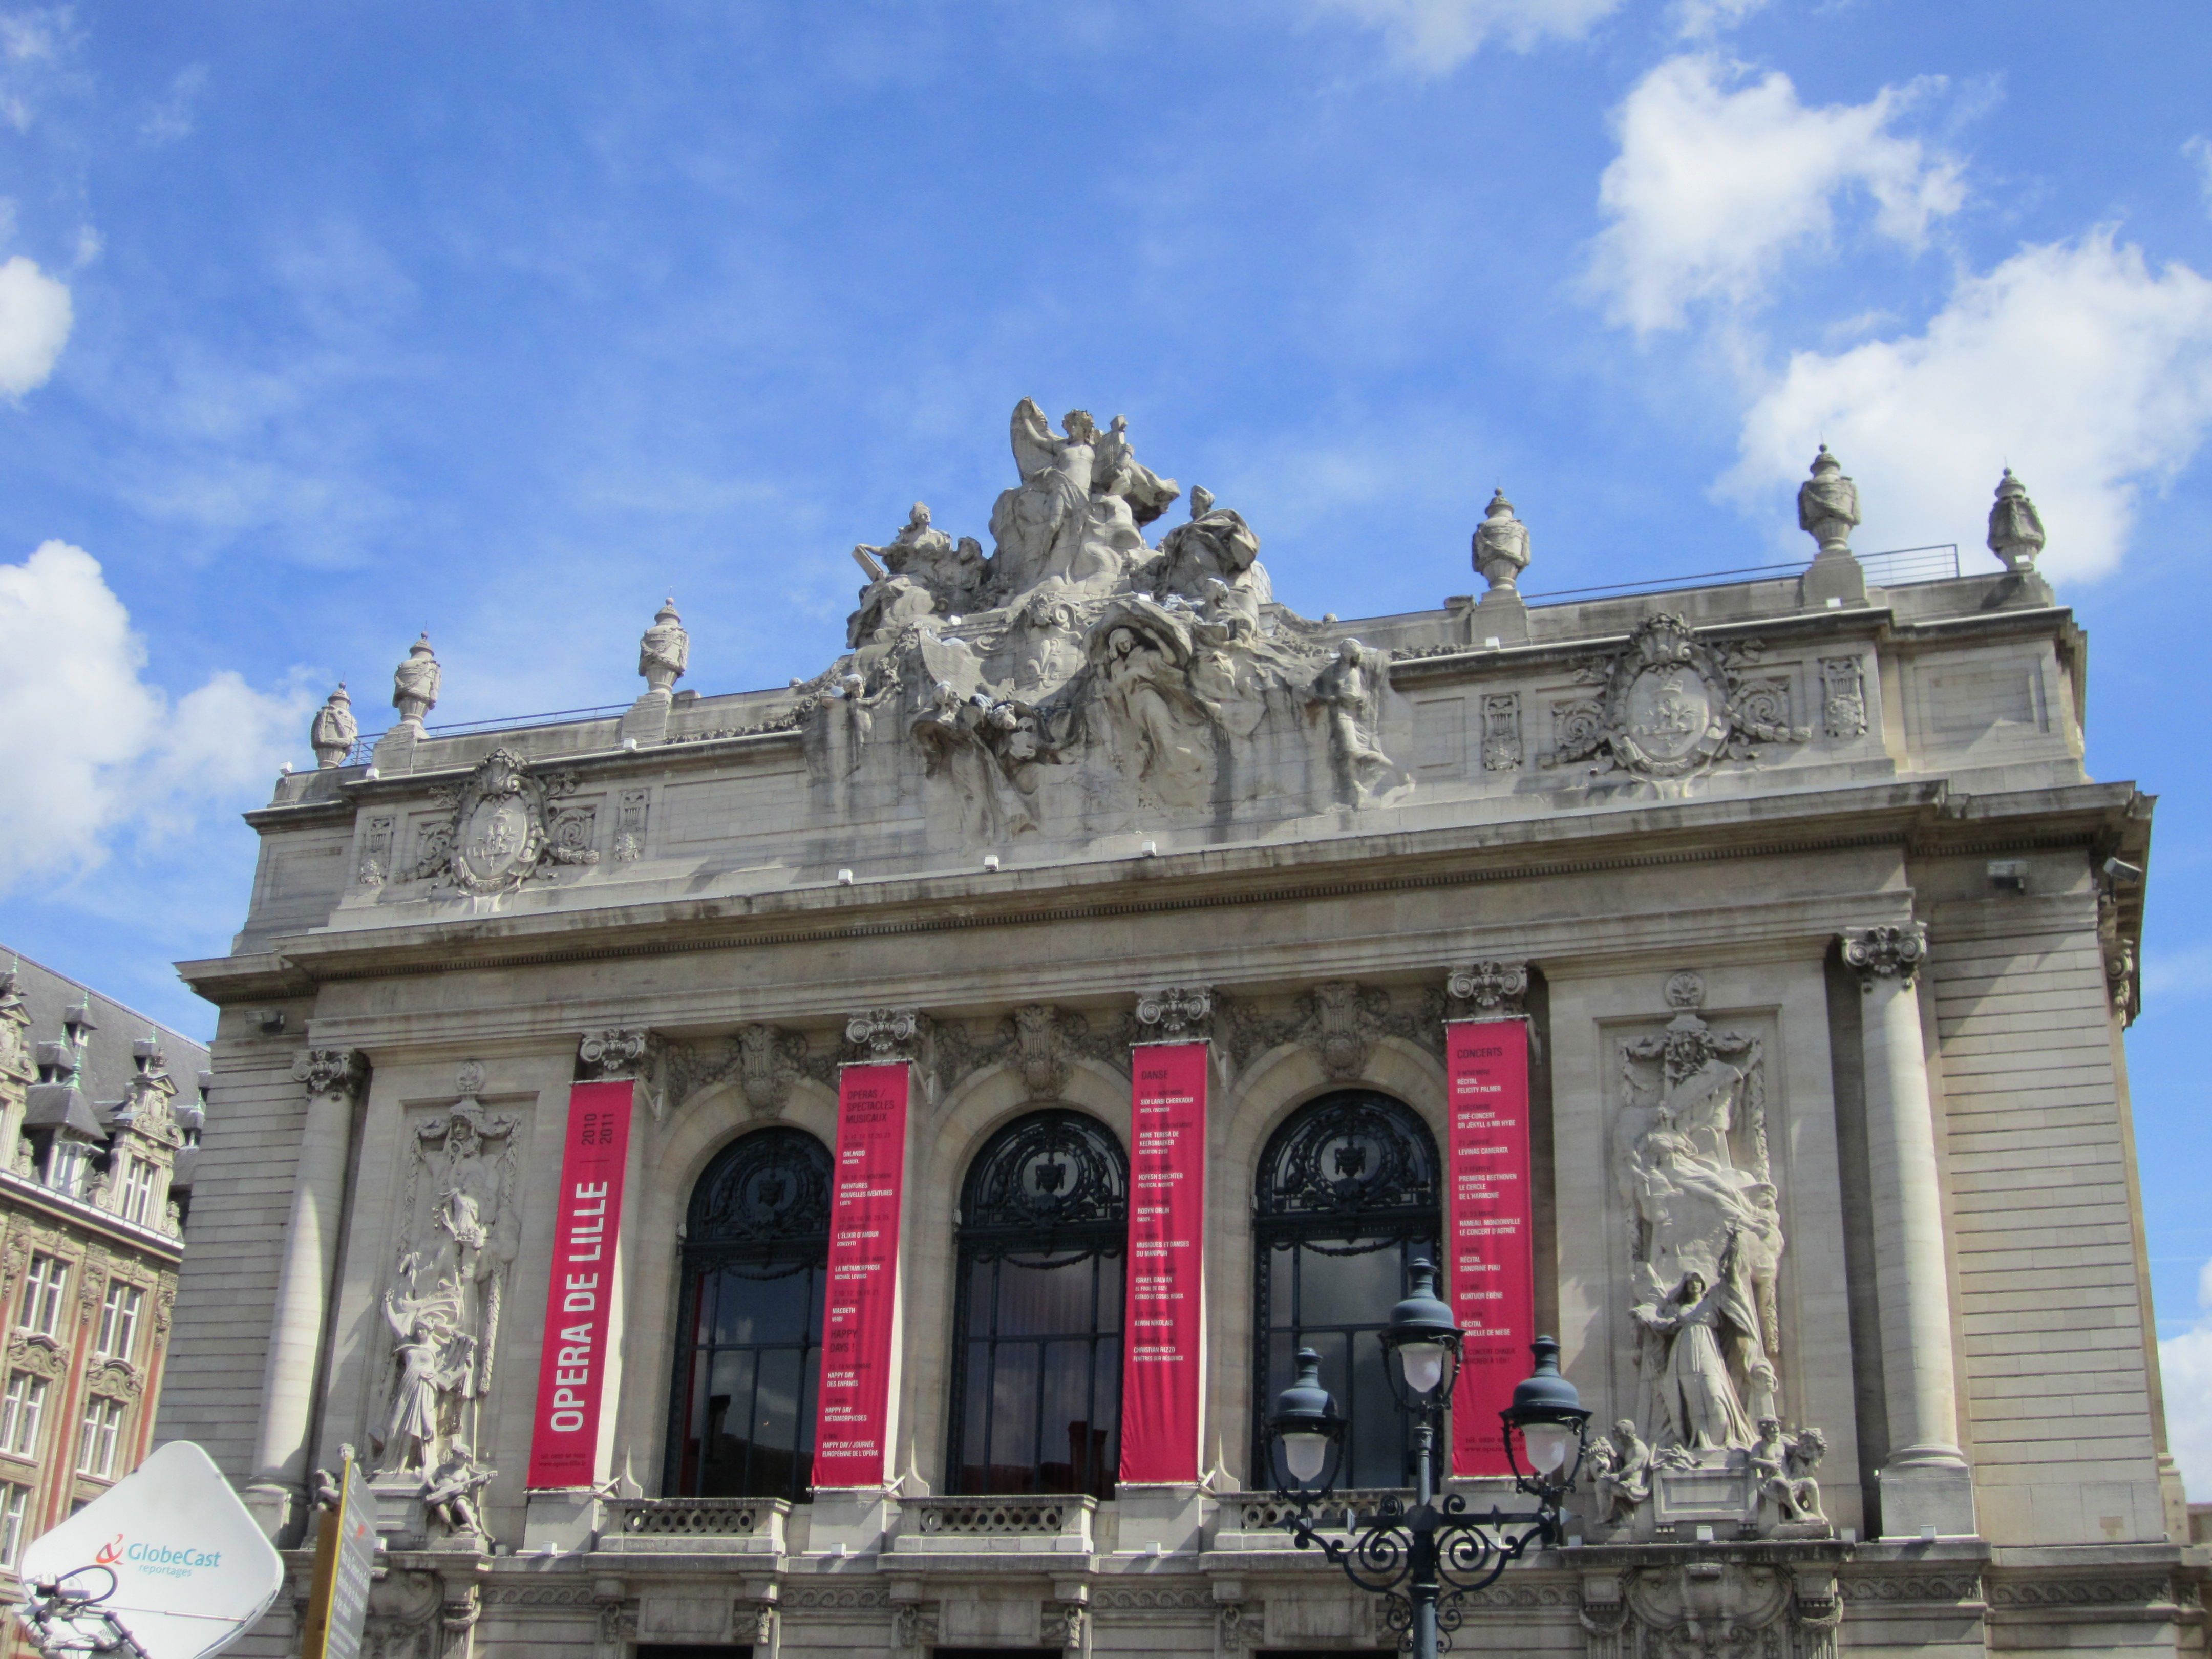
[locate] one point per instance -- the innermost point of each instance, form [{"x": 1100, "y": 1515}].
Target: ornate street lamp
[{"x": 1426, "y": 1556}]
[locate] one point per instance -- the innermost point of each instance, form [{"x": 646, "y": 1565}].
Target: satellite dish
[{"x": 192, "y": 1572}]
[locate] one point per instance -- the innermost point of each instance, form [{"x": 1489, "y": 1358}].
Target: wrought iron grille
[
  {"x": 1043, "y": 1237},
  {"x": 757, "y": 1245},
  {"x": 1347, "y": 1199}
]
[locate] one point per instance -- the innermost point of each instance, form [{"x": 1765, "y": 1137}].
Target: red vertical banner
[
  {"x": 852, "y": 1432},
  {"x": 572, "y": 1357},
  {"x": 1489, "y": 1227},
  {"x": 1163, "y": 1356}
]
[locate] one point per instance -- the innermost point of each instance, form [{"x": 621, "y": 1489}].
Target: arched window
[
  {"x": 1347, "y": 1200},
  {"x": 749, "y": 1328},
  {"x": 1043, "y": 1233}
]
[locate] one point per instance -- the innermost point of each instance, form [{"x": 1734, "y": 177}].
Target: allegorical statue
[
  {"x": 1351, "y": 691},
  {"x": 335, "y": 730},
  {"x": 1115, "y": 471},
  {"x": 2016, "y": 527},
  {"x": 1695, "y": 1324},
  {"x": 1622, "y": 1478},
  {"x": 919, "y": 572},
  {"x": 1217, "y": 546}
]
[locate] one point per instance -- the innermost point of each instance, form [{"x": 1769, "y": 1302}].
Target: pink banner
[
  {"x": 852, "y": 1442},
  {"x": 572, "y": 1358},
  {"x": 1162, "y": 1345},
  {"x": 1488, "y": 1210}
]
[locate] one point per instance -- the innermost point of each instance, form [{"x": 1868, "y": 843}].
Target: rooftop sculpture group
[{"x": 1159, "y": 681}]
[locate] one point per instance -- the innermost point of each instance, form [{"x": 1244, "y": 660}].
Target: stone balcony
[
  {"x": 695, "y": 1525},
  {"x": 972, "y": 1527}
]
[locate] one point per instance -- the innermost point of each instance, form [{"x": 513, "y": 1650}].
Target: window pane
[
  {"x": 1014, "y": 1418},
  {"x": 1378, "y": 1429},
  {"x": 975, "y": 1407},
  {"x": 1043, "y": 1301},
  {"x": 729, "y": 1423},
  {"x": 1348, "y": 1290}
]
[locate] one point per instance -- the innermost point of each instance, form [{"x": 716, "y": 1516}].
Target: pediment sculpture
[
  {"x": 1672, "y": 704},
  {"x": 504, "y": 829},
  {"x": 1141, "y": 679}
]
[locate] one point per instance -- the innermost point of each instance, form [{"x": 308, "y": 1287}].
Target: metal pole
[{"x": 1425, "y": 1584}]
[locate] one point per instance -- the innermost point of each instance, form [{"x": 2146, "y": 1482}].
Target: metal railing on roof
[
  {"x": 1899, "y": 567},
  {"x": 365, "y": 744}
]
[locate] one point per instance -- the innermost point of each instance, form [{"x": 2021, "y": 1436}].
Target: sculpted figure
[
  {"x": 333, "y": 735},
  {"x": 1696, "y": 1393},
  {"x": 920, "y": 573},
  {"x": 1217, "y": 545},
  {"x": 1625, "y": 1480},
  {"x": 1163, "y": 735},
  {"x": 425, "y": 1340},
  {"x": 1351, "y": 691},
  {"x": 958, "y": 734},
  {"x": 1781, "y": 1474},
  {"x": 1117, "y": 471},
  {"x": 450, "y": 1495},
  {"x": 1039, "y": 526}
]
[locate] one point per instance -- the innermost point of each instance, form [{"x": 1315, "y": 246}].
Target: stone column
[
  {"x": 1926, "y": 1481},
  {"x": 334, "y": 1077}
]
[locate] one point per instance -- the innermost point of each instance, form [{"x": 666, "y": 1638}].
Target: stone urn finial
[
  {"x": 414, "y": 682},
  {"x": 331, "y": 737},
  {"x": 1501, "y": 545},
  {"x": 666, "y": 649},
  {"x": 1828, "y": 505},
  {"x": 2016, "y": 527}
]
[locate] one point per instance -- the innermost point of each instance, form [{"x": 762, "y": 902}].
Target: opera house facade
[{"x": 847, "y": 1169}]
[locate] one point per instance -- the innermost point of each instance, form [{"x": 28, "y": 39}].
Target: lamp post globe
[
  {"x": 1550, "y": 1417},
  {"x": 1307, "y": 1427},
  {"x": 1424, "y": 1341}
]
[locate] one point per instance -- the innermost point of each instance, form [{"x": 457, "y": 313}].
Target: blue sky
[{"x": 320, "y": 325}]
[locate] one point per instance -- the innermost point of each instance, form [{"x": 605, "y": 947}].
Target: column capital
[
  {"x": 1492, "y": 989},
  {"x": 881, "y": 1036},
  {"x": 331, "y": 1070},
  {"x": 1175, "y": 1013},
  {"x": 1887, "y": 952},
  {"x": 616, "y": 1054}
]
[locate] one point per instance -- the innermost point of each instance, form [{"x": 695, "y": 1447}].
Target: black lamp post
[{"x": 1427, "y": 1556}]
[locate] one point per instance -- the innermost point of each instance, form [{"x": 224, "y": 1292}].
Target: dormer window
[{"x": 140, "y": 1191}]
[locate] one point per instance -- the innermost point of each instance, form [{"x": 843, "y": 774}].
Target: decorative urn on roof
[
  {"x": 414, "y": 682},
  {"x": 663, "y": 652},
  {"x": 1828, "y": 504},
  {"x": 333, "y": 735},
  {"x": 2016, "y": 527},
  {"x": 1501, "y": 544}
]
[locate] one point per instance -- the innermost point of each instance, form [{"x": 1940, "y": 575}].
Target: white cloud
[
  {"x": 1435, "y": 36},
  {"x": 2073, "y": 363},
  {"x": 2199, "y": 150},
  {"x": 2185, "y": 1365},
  {"x": 1720, "y": 178},
  {"x": 91, "y": 752},
  {"x": 172, "y": 119},
  {"x": 1702, "y": 19},
  {"x": 34, "y": 326}
]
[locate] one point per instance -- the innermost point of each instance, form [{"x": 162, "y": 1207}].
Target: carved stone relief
[
  {"x": 1709, "y": 1608},
  {"x": 1673, "y": 706},
  {"x": 1144, "y": 679},
  {"x": 629, "y": 825},
  {"x": 460, "y": 1226},
  {"x": 1492, "y": 990},
  {"x": 502, "y": 830},
  {"x": 1843, "y": 697},
  {"x": 1879, "y": 953},
  {"x": 1501, "y": 732},
  {"x": 1694, "y": 1171},
  {"x": 1174, "y": 1014},
  {"x": 375, "y": 867}
]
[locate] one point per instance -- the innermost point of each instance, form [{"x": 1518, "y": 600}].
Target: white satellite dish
[{"x": 192, "y": 1572}]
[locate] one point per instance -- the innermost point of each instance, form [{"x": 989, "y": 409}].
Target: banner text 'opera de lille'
[
  {"x": 852, "y": 1442},
  {"x": 1488, "y": 1221},
  {"x": 572, "y": 1359},
  {"x": 1163, "y": 1354}
]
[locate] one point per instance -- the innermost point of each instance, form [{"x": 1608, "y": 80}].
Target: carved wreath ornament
[
  {"x": 1673, "y": 705},
  {"x": 503, "y": 830}
]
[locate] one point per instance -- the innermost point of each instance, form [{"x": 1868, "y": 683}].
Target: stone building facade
[
  {"x": 1821, "y": 937},
  {"x": 101, "y": 1141}
]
